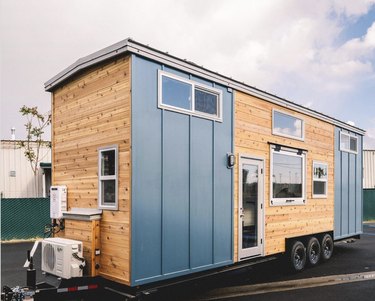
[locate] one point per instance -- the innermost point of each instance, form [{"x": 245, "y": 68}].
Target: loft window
[
  {"x": 189, "y": 97},
  {"x": 206, "y": 102},
  {"x": 108, "y": 178},
  {"x": 288, "y": 179},
  {"x": 287, "y": 125},
  {"x": 320, "y": 179},
  {"x": 176, "y": 93},
  {"x": 348, "y": 143}
]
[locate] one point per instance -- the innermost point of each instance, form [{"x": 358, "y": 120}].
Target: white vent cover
[{"x": 61, "y": 257}]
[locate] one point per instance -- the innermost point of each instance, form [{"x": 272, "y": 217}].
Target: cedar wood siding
[
  {"x": 253, "y": 131},
  {"x": 90, "y": 111}
]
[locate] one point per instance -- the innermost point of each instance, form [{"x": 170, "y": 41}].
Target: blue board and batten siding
[
  {"x": 182, "y": 191},
  {"x": 348, "y": 189}
]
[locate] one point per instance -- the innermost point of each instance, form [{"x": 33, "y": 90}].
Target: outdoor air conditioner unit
[
  {"x": 58, "y": 201},
  {"x": 62, "y": 257}
]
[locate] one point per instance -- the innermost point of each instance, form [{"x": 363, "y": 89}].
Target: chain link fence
[
  {"x": 368, "y": 204},
  {"x": 24, "y": 218}
]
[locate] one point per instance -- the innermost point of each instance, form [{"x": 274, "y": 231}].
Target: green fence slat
[
  {"x": 24, "y": 218},
  {"x": 368, "y": 204}
]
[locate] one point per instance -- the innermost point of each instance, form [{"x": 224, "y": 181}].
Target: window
[
  {"x": 206, "y": 102},
  {"x": 176, "y": 93},
  {"x": 348, "y": 143},
  {"x": 287, "y": 176},
  {"x": 287, "y": 125},
  {"x": 189, "y": 97},
  {"x": 320, "y": 179},
  {"x": 108, "y": 178}
]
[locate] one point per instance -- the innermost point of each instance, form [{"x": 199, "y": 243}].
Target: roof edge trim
[
  {"x": 85, "y": 62},
  {"x": 129, "y": 45}
]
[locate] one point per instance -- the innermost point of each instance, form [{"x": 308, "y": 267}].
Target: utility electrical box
[{"x": 58, "y": 199}]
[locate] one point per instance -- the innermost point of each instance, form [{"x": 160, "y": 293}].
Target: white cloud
[
  {"x": 352, "y": 8},
  {"x": 369, "y": 139},
  {"x": 287, "y": 47}
]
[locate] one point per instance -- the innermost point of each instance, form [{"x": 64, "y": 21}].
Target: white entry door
[{"x": 251, "y": 191}]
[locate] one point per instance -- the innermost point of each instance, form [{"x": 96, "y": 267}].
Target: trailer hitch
[
  {"x": 22, "y": 293},
  {"x": 16, "y": 294}
]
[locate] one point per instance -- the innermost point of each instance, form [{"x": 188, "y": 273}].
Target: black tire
[
  {"x": 327, "y": 247},
  {"x": 298, "y": 256},
  {"x": 313, "y": 251}
]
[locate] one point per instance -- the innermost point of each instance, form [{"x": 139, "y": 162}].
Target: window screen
[{"x": 206, "y": 102}]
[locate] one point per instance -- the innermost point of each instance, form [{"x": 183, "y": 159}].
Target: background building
[
  {"x": 369, "y": 184},
  {"x": 368, "y": 169},
  {"x": 17, "y": 179}
]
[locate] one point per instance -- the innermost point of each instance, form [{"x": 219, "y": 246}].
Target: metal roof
[{"x": 131, "y": 46}]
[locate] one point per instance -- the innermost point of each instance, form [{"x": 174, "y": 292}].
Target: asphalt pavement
[
  {"x": 13, "y": 257},
  {"x": 349, "y": 258}
]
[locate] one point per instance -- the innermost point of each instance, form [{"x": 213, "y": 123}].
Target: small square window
[
  {"x": 320, "y": 188},
  {"x": 320, "y": 179},
  {"x": 108, "y": 191},
  {"x": 348, "y": 143}
]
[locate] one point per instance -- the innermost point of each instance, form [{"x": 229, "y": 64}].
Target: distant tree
[{"x": 35, "y": 127}]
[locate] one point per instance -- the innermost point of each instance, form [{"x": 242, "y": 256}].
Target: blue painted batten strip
[
  {"x": 190, "y": 253},
  {"x": 162, "y": 191},
  {"x": 213, "y": 188}
]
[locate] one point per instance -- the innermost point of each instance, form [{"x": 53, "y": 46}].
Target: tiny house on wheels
[{"x": 172, "y": 169}]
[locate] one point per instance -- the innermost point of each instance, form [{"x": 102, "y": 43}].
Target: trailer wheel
[
  {"x": 313, "y": 251},
  {"x": 327, "y": 247},
  {"x": 298, "y": 256}
]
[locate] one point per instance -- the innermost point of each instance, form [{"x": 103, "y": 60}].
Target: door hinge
[
  {"x": 261, "y": 170},
  {"x": 261, "y": 241}
]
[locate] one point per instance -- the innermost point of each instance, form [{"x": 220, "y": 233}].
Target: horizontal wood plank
[{"x": 90, "y": 111}]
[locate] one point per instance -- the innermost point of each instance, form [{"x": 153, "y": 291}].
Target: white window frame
[
  {"x": 288, "y": 201},
  {"x": 349, "y": 136},
  {"x": 319, "y": 196},
  {"x": 101, "y": 178},
  {"x": 274, "y": 132},
  {"x": 194, "y": 85}
]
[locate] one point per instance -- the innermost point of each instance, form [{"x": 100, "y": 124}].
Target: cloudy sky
[{"x": 319, "y": 53}]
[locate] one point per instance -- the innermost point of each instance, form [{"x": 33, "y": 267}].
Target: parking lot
[{"x": 349, "y": 275}]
